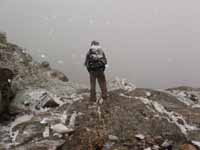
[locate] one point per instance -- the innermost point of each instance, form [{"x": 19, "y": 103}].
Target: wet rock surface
[{"x": 56, "y": 115}]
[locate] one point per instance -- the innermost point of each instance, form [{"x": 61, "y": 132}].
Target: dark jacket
[{"x": 95, "y": 48}]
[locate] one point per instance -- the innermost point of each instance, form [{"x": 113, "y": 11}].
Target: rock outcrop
[
  {"x": 6, "y": 76},
  {"x": 58, "y": 115},
  {"x": 18, "y": 71}
]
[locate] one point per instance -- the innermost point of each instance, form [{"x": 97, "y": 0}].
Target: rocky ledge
[{"x": 48, "y": 113}]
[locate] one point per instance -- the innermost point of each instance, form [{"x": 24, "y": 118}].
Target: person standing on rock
[{"x": 96, "y": 63}]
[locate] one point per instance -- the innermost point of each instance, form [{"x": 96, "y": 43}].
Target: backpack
[{"x": 96, "y": 60}]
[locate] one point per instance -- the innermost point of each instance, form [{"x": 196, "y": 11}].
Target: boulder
[
  {"x": 46, "y": 101},
  {"x": 45, "y": 64},
  {"x": 50, "y": 103},
  {"x": 55, "y": 74},
  {"x": 167, "y": 144}
]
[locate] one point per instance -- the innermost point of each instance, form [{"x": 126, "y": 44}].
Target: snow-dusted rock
[
  {"x": 121, "y": 84},
  {"x": 196, "y": 143},
  {"x": 55, "y": 74},
  {"x": 46, "y": 132},
  {"x": 113, "y": 138},
  {"x": 72, "y": 120},
  {"x": 149, "y": 148},
  {"x": 59, "y": 135},
  {"x": 148, "y": 94},
  {"x": 140, "y": 136},
  {"x": 61, "y": 128},
  {"x": 155, "y": 147},
  {"x": 167, "y": 144}
]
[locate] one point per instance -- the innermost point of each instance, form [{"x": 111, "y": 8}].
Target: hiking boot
[
  {"x": 93, "y": 99},
  {"x": 104, "y": 97}
]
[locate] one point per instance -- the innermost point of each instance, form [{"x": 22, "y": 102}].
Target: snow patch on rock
[
  {"x": 196, "y": 106},
  {"x": 122, "y": 84},
  {"x": 196, "y": 143},
  {"x": 179, "y": 97},
  {"x": 46, "y": 132},
  {"x": 72, "y": 120},
  {"x": 140, "y": 136},
  {"x": 19, "y": 120},
  {"x": 61, "y": 128},
  {"x": 170, "y": 116},
  {"x": 189, "y": 98}
]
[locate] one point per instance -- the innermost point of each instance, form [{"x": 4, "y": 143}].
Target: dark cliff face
[
  {"x": 6, "y": 76},
  {"x": 58, "y": 115}
]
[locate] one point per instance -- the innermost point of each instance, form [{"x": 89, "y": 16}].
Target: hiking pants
[{"x": 100, "y": 76}]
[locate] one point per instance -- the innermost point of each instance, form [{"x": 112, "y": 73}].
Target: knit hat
[{"x": 95, "y": 43}]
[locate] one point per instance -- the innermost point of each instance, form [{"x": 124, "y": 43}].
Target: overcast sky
[{"x": 153, "y": 43}]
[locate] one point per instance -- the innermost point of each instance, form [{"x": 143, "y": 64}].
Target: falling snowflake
[
  {"x": 91, "y": 21},
  {"x": 60, "y": 62},
  {"x": 46, "y": 18},
  {"x": 43, "y": 56},
  {"x": 108, "y": 22},
  {"x": 70, "y": 20},
  {"x": 54, "y": 17},
  {"x": 169, "y": 60},
  {"x": 51, "y": 31},
  {"x": 74, "y": 56},
  {"x": 82, "y": 56}
]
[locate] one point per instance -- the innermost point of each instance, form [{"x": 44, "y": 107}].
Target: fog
[{"x": 152, "y": 43}]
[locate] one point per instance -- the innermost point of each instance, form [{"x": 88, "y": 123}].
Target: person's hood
[{"x": 95, "y": 47}]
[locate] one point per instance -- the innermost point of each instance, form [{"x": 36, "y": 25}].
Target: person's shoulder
[
  {"x": 102, "y": 51},
  {"x": 88, "y": 52}
]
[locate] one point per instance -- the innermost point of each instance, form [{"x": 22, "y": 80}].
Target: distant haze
[{"x": 153, "y": 43}]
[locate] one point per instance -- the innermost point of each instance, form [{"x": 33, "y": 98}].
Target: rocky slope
[{"x": 52, "y": 114}]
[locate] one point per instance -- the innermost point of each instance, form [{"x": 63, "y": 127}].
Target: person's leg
[
  {"x": 102, "y": 83},
  {"x": 92, "y": 86}
]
